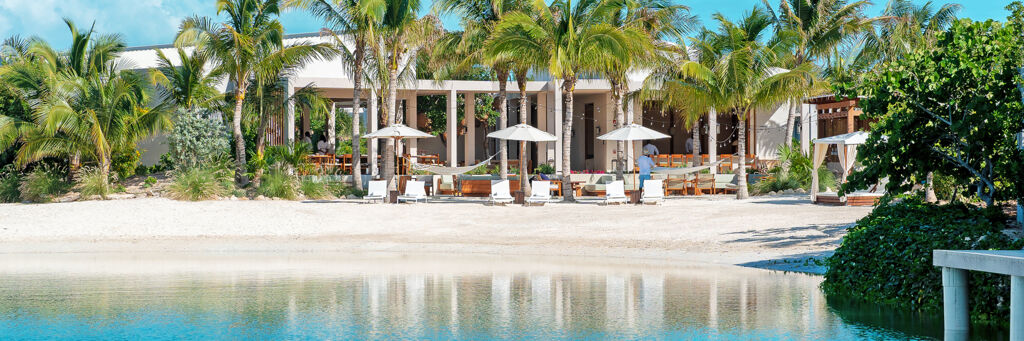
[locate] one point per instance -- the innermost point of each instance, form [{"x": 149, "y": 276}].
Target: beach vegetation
[
  {"x": 44, "y": 183},
  {"x": 279, "y": 183},
  {"x": 796, "y": 175},
  {"x": 312, "y": 189},
  {"x": 91, "y": 182},
  {"x": 208, "y": 182},
  {"x": 10, "y": 181},
  {"x": 197, "y": 139}
]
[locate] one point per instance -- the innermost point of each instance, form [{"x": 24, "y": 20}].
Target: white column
[
  {"x": 542, "y": 124},
  {"x": 412, "y": 120},
  {"x": 371, "y": 126},
  {"x": 453, "y": 128},
  {"x": 955, "y": 311},
  {"x": 1016, "y": 308},
  {"x": 470, "y": 138},
  {"x": 332, "y": 137},
  {"x": 632, "y": 149},
  {"x": 556, "y": 118},
  {"x": 289, "y": 117},
  {"x": 713, "y": 138}
]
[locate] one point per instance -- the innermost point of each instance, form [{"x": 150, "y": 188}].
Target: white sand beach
[{"x": 760, "y": 231}]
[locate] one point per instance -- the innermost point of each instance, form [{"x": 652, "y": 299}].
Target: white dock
[{"x": 956, "y": 264}]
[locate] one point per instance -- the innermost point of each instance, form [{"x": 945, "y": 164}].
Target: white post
[
  {"x": 371, "y": 126},
  {"x": 411, "y": 120},
  {"x": 956, "y": 316},
  {"x": 713, "y": 139},
  {"x": 470, "y": 138},
  {"x": 332, "y": 138},
  {"x": 289, "y": 116},
  {"x": 557, "y": 119},
  {"x": 453, "y": 129},
  {"x": 1016, "y": 308}
]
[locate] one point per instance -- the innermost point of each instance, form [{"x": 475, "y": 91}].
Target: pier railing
[{"x": 955, "y": 264}]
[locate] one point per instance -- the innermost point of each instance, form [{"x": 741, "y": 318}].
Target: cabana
[{"x": 846, "y": 145}]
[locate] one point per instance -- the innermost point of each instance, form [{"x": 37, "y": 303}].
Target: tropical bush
[
  {"x": 887, "y": 257},
  {"x": 544, "y": 169},
  {"x": 277, "y": 183},
  {"x": 44, "y": 183},
  {"x": 201, "y": 183},
  {"x": 798, "y": 174},
  {"x": 197, "y": 138},
  {"x": 313, "y": 189},
  {"x": 10, "y": 180},
  {"x": 343, "y": 189},
  {"x": 125, "y": 162},
  {"x": 150, "y": 181},
  {"x": 92, "y": 182}
]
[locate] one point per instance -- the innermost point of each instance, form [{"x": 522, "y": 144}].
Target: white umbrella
[
  {"x": 633, "y": 132},
  {"x": 522, "y": 132},
  {"x": 397, "y": 131}
]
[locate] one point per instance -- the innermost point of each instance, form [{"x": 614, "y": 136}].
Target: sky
[{"x": 154, "y": 22}]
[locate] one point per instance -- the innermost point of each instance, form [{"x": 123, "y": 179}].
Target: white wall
[{"x": 771, "y": 131}]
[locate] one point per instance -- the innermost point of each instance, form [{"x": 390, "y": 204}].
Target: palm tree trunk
[
  {"x": 236, "y": 129},
  {"x": 105, "y": 171},
  {"x": 620, "y": 117},
  {"x": 502, "y": 121},
  {"x": 524, "y": 108},
  {"x": 261, "y": 145},
  {"x": 790, "y": 122},
  {"x": 695, "y": 137},
  {"x": 390, "y": 170},
  {"x": 568, "y": 86},
  {"x": 713, "y": 138},
  {"x": 357, "y": 93},
  {"x": 741, "y": 177}
]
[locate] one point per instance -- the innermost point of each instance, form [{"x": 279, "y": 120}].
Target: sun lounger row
[{"x": 653, "y": 192}]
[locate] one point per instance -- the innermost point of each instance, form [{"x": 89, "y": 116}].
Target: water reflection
[{"x": 462, "y": 302}]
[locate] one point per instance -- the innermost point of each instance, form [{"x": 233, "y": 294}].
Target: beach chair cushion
[
  {"x": 500, "y": 191},
  {"x": 726, "y": 181},
  {"x": 540, "y": 191},
  {"x": 615, "y": 192},
  {"x": 653, "y": 191},
  {"x": 415, "y": 191},
  {"x": 377, "y": 190}
]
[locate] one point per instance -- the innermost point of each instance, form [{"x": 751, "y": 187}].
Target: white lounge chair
[
  {"x": 654, "y": 192},
  {"x": 378, "y": 190},
  {"x": 615, "y": 192},
  {"x": 540, "y": 193},
  {"x": 500, "y": 194},
  {"x": 414, "y": 191}
]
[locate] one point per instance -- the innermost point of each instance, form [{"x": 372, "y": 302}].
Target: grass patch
[
  {"x": 279, "y": 184},
  {"x": 93, "y": 182},
  {"x": 43, "y": 184},
  {"x": 314, "y": 189},
  {"x": 197, "y": 184}
]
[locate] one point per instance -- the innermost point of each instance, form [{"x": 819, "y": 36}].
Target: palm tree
[
  {"x": 189, "y": 85},
  {"x": 573, "y": 39},
  {"x": 903, "y": 27},
  {"x": 479, "y": 18},
  {"x": 248, "y": 48},
  {"x": 353, "y": 20},
  {"x": 402, "y": 35},
  {"x": 819, "y": 27}
]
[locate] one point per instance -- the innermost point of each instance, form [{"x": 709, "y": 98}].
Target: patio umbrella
[
  {"x": 632, "y": 132},
  {"x": 523, "y": 133},
  {"x": 397, "y": 131}
]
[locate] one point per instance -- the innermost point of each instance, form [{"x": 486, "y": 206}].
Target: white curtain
[
  {"x": 819, "y": 157},
  {"x": 847, "y": 156}
]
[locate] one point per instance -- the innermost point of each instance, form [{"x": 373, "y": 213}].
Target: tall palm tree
[
  {"x": 248, "y": 47},
  {"x": 479, "y": 18},
  {"x": 350, "y": 20},
  {"x": 402, "y": 35},
  {"x": 819, "y": 26},
  {"x": 903, "y": 27},
  {"x": 573, "y": 39},
  {"x": 189, "y": 85}
]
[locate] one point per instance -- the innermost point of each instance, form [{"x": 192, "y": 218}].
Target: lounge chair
[
  {"x": 540, "y": 193},
  {"x": 447, "y": 186},
  {"x": 414, "y": 191},
  {"x": 378, "y": 190},
  {"x": 705, "y": 182},
  {"x": 500, "y": 194},
  {"x": 654, "y": 192},
  {"x": 615, "y": 192}
]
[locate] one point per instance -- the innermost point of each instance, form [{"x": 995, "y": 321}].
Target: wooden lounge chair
[
  {"x": 414, "y": 191},
  {"x": 500, "y": 193},
  {"x": 704, "y": 182},
  {"x": 677, "y": 160},
  {"x": 447, "y": 185},
  {"x": 676, "y": 184},
  {"x": 378, "y": 190},
  {"x": 540, "y": 193},
  {"x": 654, "y": 192},
  {"x": 615, "y": 192}
]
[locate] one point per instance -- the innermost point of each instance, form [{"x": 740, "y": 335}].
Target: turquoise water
[{"x": 426, "y": 299}]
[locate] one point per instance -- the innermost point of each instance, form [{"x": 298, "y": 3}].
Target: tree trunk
[
  {"x": 105, "y": 171},
  {"x": 236, "y": 130},
  {"x": 261, "y": 145},
  {"x": 331, "y": 128},
  {"x": 629, "y": 120},
  {"x": 741, "y": 177},
  {"x": 695, "y": 137},
  {"x": 390, "y": 168},
  {"x": 568, "y": 86},
  {"x": 357, "y": 94},
  {"x": 790, "y": 121},
  {"x": 503, "y": 121},
  {"x": 929, "y": 190},
  {"x": 620, "y": 117},
  {"x": 524, "y": 111}
]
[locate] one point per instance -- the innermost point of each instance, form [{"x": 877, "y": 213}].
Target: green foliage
[
  {"x": 125, "y": 162},
  {"x": 92, "y": 182},
  {"x": 200, "y": 183},
  {"x": 150, "y": 181},
  {"x": 314, "y": 189},
  {"x": 798, "y": 174},
  {"x": 196, "y": 139},
  {"x": 481, "y": 170},
  {"x": 10, "y": 180},
  {"x": 290, "y": 159},
  {"x": 887, "y": 257},
  {"x": 44, "y": 183},
  {"x": 953, "y": 110},
  {"x": 343, "y": 189},
  {"x": 277, "y": 183},
  {"x": 544, "y": 169}
]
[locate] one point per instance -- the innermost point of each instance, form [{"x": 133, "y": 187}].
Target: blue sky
[{"x": 150, "y": 22}]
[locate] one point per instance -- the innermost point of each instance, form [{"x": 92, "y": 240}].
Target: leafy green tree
[
  {"x": 572, "y": 39},
  {"x": 189, "y": 85},
  {"x": 953, "y": 109}
]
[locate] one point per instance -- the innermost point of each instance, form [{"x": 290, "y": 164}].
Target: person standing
[
  {"x": 650, "y": 149},
  {"x": 645, "y": 163}
]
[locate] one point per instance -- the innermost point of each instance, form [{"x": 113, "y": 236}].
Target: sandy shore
[{"x": 779, "y": 232}]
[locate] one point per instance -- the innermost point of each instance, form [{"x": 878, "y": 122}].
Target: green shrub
[
  {"x": 44, "y": 183},
  {"x": 778, "y": 183},
  {"x": 150, "y": 181},
  {"x": 887, "y": 257},
  {"x": 342, "y": 189},
  {"x": 10, "y": 180},
  {"x": 125, "y": 162},
  {"x": 544, "y": 169},
  {"x": 279, "y": 184},
  {"x": 93, "y": 182},
  {"x": 797, "y": 176},
  {"x": 196, "y": 139},
  {"x": 314, "y": 189},
  {"x": 200, "y": 183}
]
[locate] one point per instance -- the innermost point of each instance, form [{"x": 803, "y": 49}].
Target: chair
[
  {"x": 704, "y": 182},
  {"x": 615, "y": 192},
  {"x": 654, "y": 192},
  {"x": 540, "y": 193},
  {"x": 677, "y": 160},
  {"x": 447, "y": 185},
  {"x": 676, "y": 184},
  {"x": 414, "y": 191},
  {"x": 378, "y": 191},
  {"x": 500, "y": 194}
]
